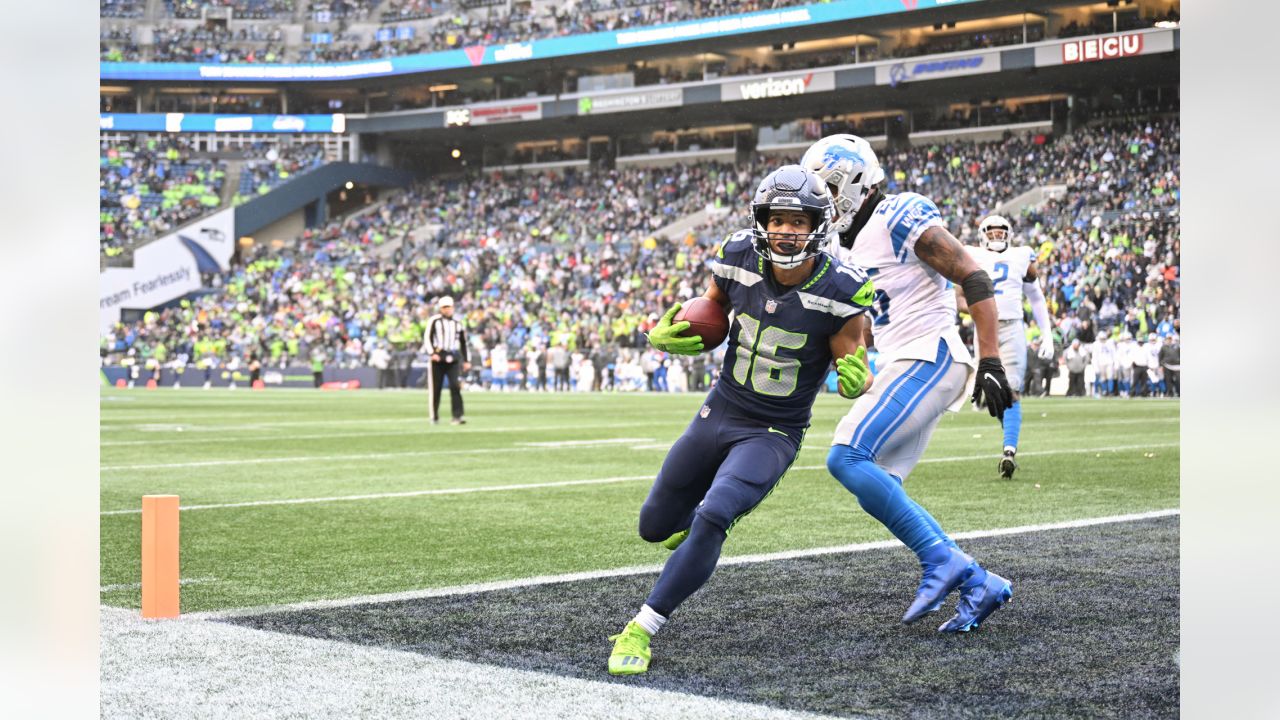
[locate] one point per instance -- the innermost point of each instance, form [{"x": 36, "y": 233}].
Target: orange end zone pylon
[{"x": 159, "y": 556}]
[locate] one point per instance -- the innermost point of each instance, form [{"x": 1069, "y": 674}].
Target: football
[{"x": 706, "y": 318}]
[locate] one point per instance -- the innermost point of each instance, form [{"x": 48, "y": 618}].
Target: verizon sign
[
  {"x": 1101, "y": 48},
  {"x": 1106, "y": 47},
  {"x": 776, "y": 87},
  {"x": 506, "y": 113}
]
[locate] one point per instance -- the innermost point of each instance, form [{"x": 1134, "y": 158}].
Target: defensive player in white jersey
[
  {"x": 1104, "y": 366},
  {"x": 902, "y": 243},
  {"x": 1013, "y": 274}
]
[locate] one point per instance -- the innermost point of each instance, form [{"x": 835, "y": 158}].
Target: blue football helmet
[{"x": 791, "y": 187}]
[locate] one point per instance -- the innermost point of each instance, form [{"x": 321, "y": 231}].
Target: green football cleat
[
  {"x": 674, "y": 541},
  {"x": 630, "y": 651}
]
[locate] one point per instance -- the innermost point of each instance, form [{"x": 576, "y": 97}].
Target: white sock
[{"x": 650, "y": 620}]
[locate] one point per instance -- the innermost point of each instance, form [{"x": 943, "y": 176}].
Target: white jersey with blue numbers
[
  {"x": 1007, "y": 270},
  {"x": 779, "y": 350},
  {"x": 914, "y": 305}
]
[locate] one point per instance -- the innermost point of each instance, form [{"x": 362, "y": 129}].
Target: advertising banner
[
  {"x": 167, "y": 268},
  {"x": 294, "y": 376},
  {"x": 491, "y": 114},
  {"x": 1107, "y": 47},
  {"x": 624, "y": 102},
  {"x": 774, "y": 86},
  {"x": 476, "y": 55},
  {"x": 936, "y": 69},
  {"x": 195, "y": 122}
]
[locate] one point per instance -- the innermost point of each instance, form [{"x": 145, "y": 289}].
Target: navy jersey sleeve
[{"x": 908, "y": 219}]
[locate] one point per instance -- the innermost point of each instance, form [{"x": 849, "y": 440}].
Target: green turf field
[{"x": 301, "y": 495}]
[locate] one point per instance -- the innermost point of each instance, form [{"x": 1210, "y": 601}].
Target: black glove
[{"x": 994, "y": 386}]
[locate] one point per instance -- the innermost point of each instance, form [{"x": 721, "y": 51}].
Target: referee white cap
[{"x": 444, "y": 301}]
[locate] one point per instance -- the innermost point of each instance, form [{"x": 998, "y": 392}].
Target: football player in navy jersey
[{"x": 796, "y": 309}]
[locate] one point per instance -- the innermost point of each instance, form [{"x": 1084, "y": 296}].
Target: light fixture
[
  {"x": 456, "y": 153},
  {"x": 350, "y": 184}
]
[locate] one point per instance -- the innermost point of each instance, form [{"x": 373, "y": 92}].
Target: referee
[{"x": 446, "y": 342}]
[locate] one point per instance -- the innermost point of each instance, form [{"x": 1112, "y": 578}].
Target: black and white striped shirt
[{"x": 445, "y": 336}]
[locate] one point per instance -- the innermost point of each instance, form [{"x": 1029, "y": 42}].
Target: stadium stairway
[
  {"x": 676, "y": 231},
  {"x": 232, "y": 181},
  {"x": 1033, "y": 198}
]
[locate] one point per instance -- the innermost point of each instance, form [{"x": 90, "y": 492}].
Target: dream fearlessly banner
[{"x": 168, "y": 268}]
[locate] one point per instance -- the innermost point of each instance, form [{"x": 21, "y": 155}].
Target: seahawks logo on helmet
[{"x": 791, "y": 187}]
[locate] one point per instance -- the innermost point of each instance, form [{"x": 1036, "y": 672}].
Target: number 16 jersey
[{"x": 779, "y": 350}]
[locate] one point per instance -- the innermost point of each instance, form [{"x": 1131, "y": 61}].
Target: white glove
[{"x": 1046, "y": 348}]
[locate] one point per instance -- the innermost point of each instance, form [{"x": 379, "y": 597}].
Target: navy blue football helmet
[{"x": 791, "y": 187}]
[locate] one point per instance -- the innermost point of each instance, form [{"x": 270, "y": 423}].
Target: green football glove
[
  {"x": 853, "y": 372},
  {"x": 666, "y": 337}
]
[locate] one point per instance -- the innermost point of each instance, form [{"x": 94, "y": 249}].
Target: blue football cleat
[
  {"x": 938, "y": 581},
  {"x": 977, "y": 602}
]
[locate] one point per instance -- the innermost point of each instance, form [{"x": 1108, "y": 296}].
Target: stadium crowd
[
  {"x": 147, "y": 187},
  {"x": 438, "y": 26},
  {"x": 276, "y": 165},
  {"x": 567, "y": 272},
  {"x": 256, "y": 9}
]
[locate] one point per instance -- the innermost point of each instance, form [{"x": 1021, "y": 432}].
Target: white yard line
[
  {"x": 1032, "y": 453},
  {"x": 197, "y": 669},
  {"x": 584, "y": 443},
  {"x": 593, "y": 481},
  {"x": 364, "y": 456},
  {"x": 645, "y": 569},
  {"x": 426, "y": 430},
  {"x": 409, "y": 493},
  {"x": 138, "y": 585},
  {"x": 234, "y": 434},
  {"x": 524, "y": 447}
]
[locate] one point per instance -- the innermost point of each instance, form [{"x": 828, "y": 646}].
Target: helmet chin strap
[{"x": 788, "y": 262}]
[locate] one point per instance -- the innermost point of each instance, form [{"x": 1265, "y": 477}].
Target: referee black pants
[{"x": 437, "y": 374}]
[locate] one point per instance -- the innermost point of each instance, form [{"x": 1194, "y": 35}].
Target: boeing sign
[{"x": 898, "y": 73}]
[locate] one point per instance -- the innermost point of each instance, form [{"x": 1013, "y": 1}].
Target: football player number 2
[
  {"x": 1002, "y": 274},
  {"x": 758, "y": 357}
]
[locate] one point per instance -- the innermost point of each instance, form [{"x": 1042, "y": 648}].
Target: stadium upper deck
[{"x": 462, "y": 56}]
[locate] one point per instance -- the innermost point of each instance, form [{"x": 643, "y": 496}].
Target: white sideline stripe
[
  {"x": 408, "y": 493},
  {"x": 645, "y": 569},
  {"x": 219, "y": 671},
  {"x": 138, "y": 585},
  {"x": 584, "y": 443},
  {"x": 593, "y": 481}
]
